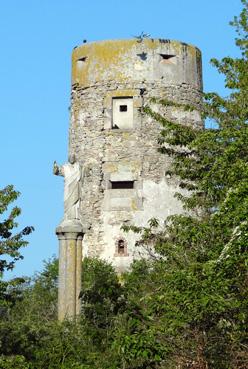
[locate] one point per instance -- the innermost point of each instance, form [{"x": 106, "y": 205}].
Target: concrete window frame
[
  {"x": 122, "y": 118},
  {"x": 122, "y": 199},
  {"x": 135, "y": 94}
]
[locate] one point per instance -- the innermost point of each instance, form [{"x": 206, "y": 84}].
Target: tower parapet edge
[
  {"x": 123, "y": 180},
  {"x": 122, "y": 60}
]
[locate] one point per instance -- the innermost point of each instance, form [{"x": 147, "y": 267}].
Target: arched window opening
[{"x": 121, "y": 247}]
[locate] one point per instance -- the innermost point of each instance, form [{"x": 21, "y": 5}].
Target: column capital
[
  {"x": 61, "y": 236},
  {"x": 70, "y": 229}
]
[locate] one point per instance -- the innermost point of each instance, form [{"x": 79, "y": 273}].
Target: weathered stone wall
[{"x": 140, "y": 70}]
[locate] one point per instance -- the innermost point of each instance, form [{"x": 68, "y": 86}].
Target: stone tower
[{"x": 121, "y": 174}]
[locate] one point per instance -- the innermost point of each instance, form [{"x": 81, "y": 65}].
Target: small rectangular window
[
  {"x": 122, "y": 184},
  {"x": 123, "y": 107},
  {"x": 122, "y": 112}
]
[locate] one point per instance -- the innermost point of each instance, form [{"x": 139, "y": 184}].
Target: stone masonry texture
[{"x": 128, "y": 73}]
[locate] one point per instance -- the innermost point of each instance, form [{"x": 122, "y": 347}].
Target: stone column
[
  {"x": 78, "y": 272},
  {"x": 70, "y": 237},
  {"x": 62, "y": 275}
]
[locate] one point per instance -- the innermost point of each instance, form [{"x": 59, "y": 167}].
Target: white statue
[{"x": 72, "y": 174}]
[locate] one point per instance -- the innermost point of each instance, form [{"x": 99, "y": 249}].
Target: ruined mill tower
[{"x": 115, "y": 173}]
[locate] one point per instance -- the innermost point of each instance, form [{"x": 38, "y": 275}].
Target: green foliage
[
  {"x": 103, "y": 298},
  {"x": 13, "y": 362},
  {"x": 29, "y": 318},
  {"x": 10, "y": 243},
  {"x": 102, "y": 295},
  {"x": 30, "y": 333}
]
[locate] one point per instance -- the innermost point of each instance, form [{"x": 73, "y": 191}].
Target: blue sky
[{"x": 37, "y": 37}]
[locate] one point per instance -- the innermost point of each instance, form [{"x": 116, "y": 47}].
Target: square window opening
[{"x": 123, "y": 108}]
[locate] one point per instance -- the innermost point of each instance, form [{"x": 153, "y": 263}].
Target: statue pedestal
[{"x": 70, "y": 234}]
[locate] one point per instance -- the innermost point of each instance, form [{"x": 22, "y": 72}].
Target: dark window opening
[
  {"x": 122, "y": 184},
  {"x": 123, "y": 108},
  {"x": 82, "y": 59},
  {"x": 167, "y": 56},
  {"x": 121, "y": 247}
]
